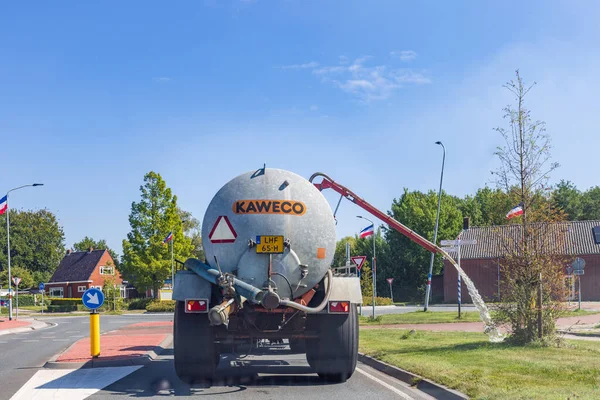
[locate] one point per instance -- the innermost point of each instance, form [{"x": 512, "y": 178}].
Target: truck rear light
[
  {"x": 339, "y": 307},
  {"x": 196, "y": 305}
]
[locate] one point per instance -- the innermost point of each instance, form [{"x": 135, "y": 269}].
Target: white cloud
[
  {"x": 312, "y": 64},
  {"x": 369, "y": 83},
  {"x": 161, "y": 79},
  {"x": 404, "y": 55},
  {"x": 314, "y": 108}
]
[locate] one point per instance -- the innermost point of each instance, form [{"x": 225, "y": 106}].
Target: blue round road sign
[
  {"x": 93, "y": 298},
  {"x": 42, "y": 286}
]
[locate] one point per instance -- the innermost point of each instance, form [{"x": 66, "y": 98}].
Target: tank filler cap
[{"x": 270, "y": 300}]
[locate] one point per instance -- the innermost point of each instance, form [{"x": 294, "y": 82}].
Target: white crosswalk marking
[{"x": 72, "y": 384}]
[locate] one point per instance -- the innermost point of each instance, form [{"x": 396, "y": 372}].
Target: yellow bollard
[{"x": 94, "y": 334}]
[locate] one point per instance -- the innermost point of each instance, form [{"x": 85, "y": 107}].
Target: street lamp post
[
  {"x": 8, "y": 246},
  {"x": 435, "y": 232},
  {"x": 374, "y": 266}
]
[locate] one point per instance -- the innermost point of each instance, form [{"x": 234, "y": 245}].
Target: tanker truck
[{"x": 269, "y": 241}]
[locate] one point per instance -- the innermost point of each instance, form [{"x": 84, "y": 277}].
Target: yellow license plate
[{"x": 269, "y": 244}]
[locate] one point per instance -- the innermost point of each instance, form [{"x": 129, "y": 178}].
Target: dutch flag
[
  {"x": 168, "y": 238},
  {"x": 518, "y": 210},
  {"x": 3, "y": 205},
  {"x": 368, "y": 231}
]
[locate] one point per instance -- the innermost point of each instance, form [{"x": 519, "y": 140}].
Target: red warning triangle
[
  {"x": 359, "y": 261},
  {"x": 222, "y": 231}
]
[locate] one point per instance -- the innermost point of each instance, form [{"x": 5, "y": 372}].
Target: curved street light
[
  {"x": 373, "y": 269},
  {"x": 435, "y": 232},
  {"x": 8, "y": 245}
]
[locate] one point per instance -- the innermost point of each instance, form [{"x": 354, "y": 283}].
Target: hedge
[
  {"x": 139, "y": 304},
  {"x": 161, "y": 306},
  {"x": 62, "y": 308},
  {"x": 26, "y": 300},
  {"x": 379, "y": 301},
  {"x": 56, "y": 301}
]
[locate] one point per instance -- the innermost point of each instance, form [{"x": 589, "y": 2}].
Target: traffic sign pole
[
  {"x": 94, "y": 333},
  {"x": 579, "y": 291},
  {"x": 93, "y": 299},
  {"x": 17, "y": 315}
]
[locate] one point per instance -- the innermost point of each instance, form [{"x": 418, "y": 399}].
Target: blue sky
[{"x": 94, "y": 95}]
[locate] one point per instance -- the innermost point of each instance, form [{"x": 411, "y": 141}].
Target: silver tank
[{"x": 270, "y": 202}]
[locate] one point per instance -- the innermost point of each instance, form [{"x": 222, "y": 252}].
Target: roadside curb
[
  {"x": 99, "y": 363},
  {"x": 431, "y": 388},
  {"x": 35, "y": 326}
]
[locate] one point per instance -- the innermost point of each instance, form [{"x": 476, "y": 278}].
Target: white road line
[
  {"x": 61, "y": 340},
  {"x": 72, "y": 332},
  {"x": 30, "y": 341},
  {"x": 47, "y": 337},
  {"x": 386, "y": 385},
  {"x": 72, "y": 384},
  {"x": 2, "y": 341}
]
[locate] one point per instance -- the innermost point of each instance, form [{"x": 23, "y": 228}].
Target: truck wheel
[
  {"x": 334, "y": 354},
  {"x": 195, "y": 352},
  {"x": 297, "y": 346}
]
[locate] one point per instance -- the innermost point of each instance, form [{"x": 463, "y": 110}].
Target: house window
[
  {"x": 104, "y": 270},
  {"x": 81, "y": 289},
  {"x": 56, "y": 292}
]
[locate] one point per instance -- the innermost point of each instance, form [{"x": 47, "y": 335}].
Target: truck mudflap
[{"x": 189, "y": 285}]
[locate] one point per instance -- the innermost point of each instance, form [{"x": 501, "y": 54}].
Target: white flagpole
[{"x": 172, "y": 270}]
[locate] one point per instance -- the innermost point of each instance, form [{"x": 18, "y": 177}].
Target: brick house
[
  {"x": 80, "y": 270},
  {"x": 482, "y": 261}
]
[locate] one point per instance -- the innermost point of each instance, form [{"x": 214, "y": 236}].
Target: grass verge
[
  {"x": 468, "y": 362},
  {"x": 439, "y": 317},
  {"x": 420, "y": 317}
]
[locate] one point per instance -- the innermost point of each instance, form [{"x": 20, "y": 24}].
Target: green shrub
[
  {"x": 139, "y": 304},
  {"x": 27, "y": 300},
  {"x": 64, "y": 301},
  {"x": 161, "y": 306},
  {"x": 62, "y": 308},
  {"x": 379, "y": 301}
]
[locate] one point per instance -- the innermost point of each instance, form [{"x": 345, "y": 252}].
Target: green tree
[
  {"x": 36, "y": 241},
  {"x": 26, "y": 276},
  {"x": 191, "y": 229},
  {"x": 146, "y": 260},
  {"x": 568, "y": 198},
  {"x": 339, "y": 259},
  {"x": 533, "y": 265},
  {"x": 591, "y": 204},
  {"x": 493, "y": 205},
  {"x": 87, "y": 242},
  {"x": 406, "y": 261}
]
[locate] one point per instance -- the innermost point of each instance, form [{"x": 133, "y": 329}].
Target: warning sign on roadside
[
  {"x": 359, "y": 261},
  {"x": 222, "y": 231}
]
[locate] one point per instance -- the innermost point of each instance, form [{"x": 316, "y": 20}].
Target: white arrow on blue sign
[
  {"x": 41, "y": 287},
  {"x": 93, "y": 298}
]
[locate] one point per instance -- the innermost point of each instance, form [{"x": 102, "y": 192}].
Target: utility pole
[{"x": 435, "y": 232}]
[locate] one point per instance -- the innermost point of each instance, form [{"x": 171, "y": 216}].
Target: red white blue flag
[
  {"x": 3, "y": 205},
  {"x": 168, "y": 238},
  {"x": 518, "y": 210},
  {"x": 368, "y": 231}
]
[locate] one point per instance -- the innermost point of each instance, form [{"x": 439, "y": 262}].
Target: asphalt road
[
  {"x": 274, "y": 374},
  {"x": 22, "y": 354}
]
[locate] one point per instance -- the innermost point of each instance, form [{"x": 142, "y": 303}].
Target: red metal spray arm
[{"x": 328, "y": 183}]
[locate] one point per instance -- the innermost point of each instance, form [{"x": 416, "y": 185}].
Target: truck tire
[
  {"x": 297, "y": 346},
  {"x": 334, "y": 354},
  {"x": 196, "y": 356}
]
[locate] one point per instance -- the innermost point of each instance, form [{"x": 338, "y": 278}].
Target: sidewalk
[
  {"x": 131, "y": 345},
  {"x": 19, "y": 325}
]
